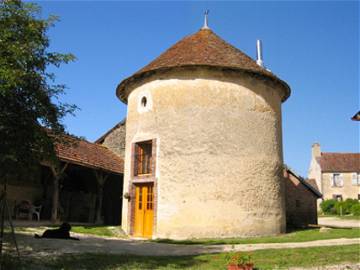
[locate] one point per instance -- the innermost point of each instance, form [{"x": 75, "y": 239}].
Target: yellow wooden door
[{"x": 144, "y": 210}]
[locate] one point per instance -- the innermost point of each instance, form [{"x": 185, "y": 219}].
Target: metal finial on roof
[{"x": 206, "y": 20}]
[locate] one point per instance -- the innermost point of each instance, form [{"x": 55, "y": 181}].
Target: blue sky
[{"x": 313, "y": 46}]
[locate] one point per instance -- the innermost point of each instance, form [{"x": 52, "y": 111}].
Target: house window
[
  {"x": 355, "y": 179},
  {"x": 297, "y": 203},
  {"x": 337, "y": 180},
  {"x": 143, "y": 158},
  {"x": 337, "y": 197}
]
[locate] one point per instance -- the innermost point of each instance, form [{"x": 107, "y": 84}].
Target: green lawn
[
  {"x": 109, "y": 231},
  {"x": 262, "y": 259},
  {"x": 296, "y": 236}
]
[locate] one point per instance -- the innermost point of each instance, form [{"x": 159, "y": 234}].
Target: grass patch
[
  {"x": 263, "y": 259},
  {"x": 296, "y": 236},
  {"x": 109, "y": 231}
]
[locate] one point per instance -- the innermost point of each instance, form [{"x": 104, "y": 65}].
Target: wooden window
[
  {"x": 355, "y": 179},
  {"x": 150, "y": 198},
  {"x": 143, "y": 158},
  {"x": 337, "y": 180},
  {"x": 140, "y": 198}
]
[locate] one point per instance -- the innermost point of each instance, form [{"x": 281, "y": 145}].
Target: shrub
[
  {"x": 355, "y": 209},
  {"x": 344, "y": 207},
  {"x": 348, "y": 204},
  {"x": 328, "y": 206}
]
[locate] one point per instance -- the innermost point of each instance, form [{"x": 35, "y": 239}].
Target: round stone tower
[{"x": 203, "y": 144}]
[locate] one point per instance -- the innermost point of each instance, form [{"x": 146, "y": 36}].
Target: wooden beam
[{"x": 101, "y": 179}]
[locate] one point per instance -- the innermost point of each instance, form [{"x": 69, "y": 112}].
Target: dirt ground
[
  {"x": 338, "y": 222},
  {"x": 30, "y": 246}
]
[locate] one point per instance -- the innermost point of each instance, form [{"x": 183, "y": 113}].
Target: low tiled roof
[
  {"x": 339, "y": 162},
  {"x": 312, "y": 182},
  {"x": 88, "y": 154},
  {"x": 306, "y": 183},
  {"x": 205, "y": 49}
]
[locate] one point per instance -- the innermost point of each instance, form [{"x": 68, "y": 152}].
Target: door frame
[
  {"x": 133, "y": 204},
  {"x": 142, "y": 179}
]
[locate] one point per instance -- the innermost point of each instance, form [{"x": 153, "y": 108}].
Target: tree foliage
[{"x": 29, "y": 96}]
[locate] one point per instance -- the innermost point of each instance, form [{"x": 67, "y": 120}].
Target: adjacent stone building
[
  {"x": 337, "y": 175},
  {"x": 203, "y": 155},
  {"x": 301, "y": 200},
  {"x": 114, "y": 139}
]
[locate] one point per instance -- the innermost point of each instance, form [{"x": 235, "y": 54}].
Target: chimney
[
  {"x": 315, "y": 150},
  {"x": 259, "y": 58}
]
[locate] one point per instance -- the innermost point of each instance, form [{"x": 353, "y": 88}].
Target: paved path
[
  {"x": 90, "y": 244},
  {"x": 338, "y": 222}
]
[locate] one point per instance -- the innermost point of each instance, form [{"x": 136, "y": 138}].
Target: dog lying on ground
[{"x": 61, "y": 233}]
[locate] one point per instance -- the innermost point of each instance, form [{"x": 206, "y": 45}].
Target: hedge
[{"x": 349, "y": 206}]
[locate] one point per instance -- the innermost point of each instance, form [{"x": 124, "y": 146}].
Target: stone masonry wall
[
  {"x": 219, "y": 153},
  {"x": 300, "y": 203},
  {"x": 115, "y": 140},
  {"x": 348, "y": 190}
]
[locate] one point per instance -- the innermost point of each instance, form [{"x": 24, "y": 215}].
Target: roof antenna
[
  {"x": 259, "y": 56},
  {"x": 206, "y": 20}
]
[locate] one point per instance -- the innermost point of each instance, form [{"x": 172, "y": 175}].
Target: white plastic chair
[{"x": 35, "y": 210}]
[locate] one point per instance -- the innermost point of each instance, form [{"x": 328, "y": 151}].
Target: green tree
[{"x": 29, "y": 96}]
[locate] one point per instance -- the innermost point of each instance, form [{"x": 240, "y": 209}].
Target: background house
[{"x": 337, "y": 175}]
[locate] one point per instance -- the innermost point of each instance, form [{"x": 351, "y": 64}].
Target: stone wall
[
  {"x": 219, "y": 153},
  {"x": 115, "y": 140},
  {"x": 300, "y": 203},
  {"x": 348, "y": 190}
]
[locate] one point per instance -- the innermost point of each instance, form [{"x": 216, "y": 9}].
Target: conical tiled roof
[{"x": 203, "y": 48}]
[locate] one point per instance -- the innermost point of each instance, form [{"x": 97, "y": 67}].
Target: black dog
[{"x": 62, "y": 233}]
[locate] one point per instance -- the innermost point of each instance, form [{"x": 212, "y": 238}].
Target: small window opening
[{"x": 143, "y": 102}]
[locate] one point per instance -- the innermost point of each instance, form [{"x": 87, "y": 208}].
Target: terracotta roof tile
[
  {"x": 308, "y": 184},
  {"x": 88, "y": 154},
  {"x": 339, "y": 162},
  {"x": 356, "y": 117},
  {"x": 203, "y": 48}
]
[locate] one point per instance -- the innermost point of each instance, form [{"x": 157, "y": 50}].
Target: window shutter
[
  {"x": 332, "y": 179},
  {"x": 341, "y": 180},
  {"x": 354, "y": 180},
  {"x": 135, "y": 157}
]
